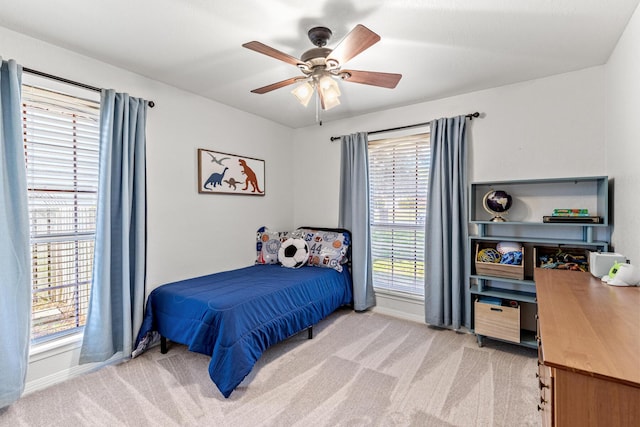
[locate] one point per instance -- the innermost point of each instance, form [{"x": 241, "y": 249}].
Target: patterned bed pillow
[
  {"x": 267, "y": 245},
  {"x": 327, "y": 249}
]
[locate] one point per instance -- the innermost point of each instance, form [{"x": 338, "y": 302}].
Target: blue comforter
[{"x": 234, "y": 316}]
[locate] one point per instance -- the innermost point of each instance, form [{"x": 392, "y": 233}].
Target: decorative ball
[
  {"x": 293, "y": 253},
  {"x": 489, "y": 255},
  {"x": 505, "y": 247}
]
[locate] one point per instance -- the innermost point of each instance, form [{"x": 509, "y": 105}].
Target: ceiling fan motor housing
[
  {"x": 319, "y": 36},
  {"x": 316, "y": 56}
]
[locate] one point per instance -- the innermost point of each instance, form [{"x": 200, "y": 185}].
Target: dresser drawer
[{"x": 497, "y": 321}]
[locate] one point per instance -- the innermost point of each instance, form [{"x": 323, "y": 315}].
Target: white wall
[
  {"x": 623, "y": 139},
  {"x": 189, "y": 234},
  {"x": 549, "y": 127}
]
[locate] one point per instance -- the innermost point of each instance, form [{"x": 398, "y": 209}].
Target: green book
[{"x": 571, "y": 212}]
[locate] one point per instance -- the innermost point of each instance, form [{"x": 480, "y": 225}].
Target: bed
[{"x": 234, "y": 316}]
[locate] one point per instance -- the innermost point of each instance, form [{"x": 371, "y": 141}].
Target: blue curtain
[
  {"x": 445, "y": 296},
  {"x": 15, "y": 280},
  {"x": 118, "y": 285},
  {"x": 354, "y": 214}
]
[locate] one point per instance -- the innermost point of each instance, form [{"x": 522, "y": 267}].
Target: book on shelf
[
  {"x": 570, "y": 212},
  {"x": 582, "y": 219}
]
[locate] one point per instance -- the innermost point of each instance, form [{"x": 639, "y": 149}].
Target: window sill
[
  {"x": 399, "y": 295},
  {"x": 56, "y": 346}
]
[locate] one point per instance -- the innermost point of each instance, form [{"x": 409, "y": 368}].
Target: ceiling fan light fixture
[
  {"x": 304, "y": 93},
  {"x": 329, "y": 86},
  {"x": 330, "y": 92},
  {"x": 330, "y": 102}
]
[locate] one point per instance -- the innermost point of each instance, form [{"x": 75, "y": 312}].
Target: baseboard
[
  {"x": 407, "y": 307},
  {"x": 56, "y": 378},
  {"x": 399, "y": 314},
  {"x": 67, "y": 374}
]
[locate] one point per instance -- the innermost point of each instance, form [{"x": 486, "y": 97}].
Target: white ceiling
[{"x": 441, "y": 47}]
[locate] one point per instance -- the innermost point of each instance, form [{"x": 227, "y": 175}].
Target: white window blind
[
  {"x": 61, "y": 150},
  {"x": 398, "y": 179}
]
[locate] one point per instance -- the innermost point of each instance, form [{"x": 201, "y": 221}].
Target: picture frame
[{"x": 224, "y": 173}]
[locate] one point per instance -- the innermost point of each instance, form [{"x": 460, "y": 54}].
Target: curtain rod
[
  {"x": 470, "y": 116},
  {"x": 71, "y": 82}
]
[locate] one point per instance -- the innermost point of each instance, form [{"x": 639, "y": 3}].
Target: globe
[{"x": 497, "y": 203}]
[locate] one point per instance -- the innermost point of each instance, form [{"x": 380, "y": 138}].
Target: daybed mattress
[{"x": 234, "y": 316}]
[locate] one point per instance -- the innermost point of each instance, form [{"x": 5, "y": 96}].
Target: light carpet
[{"x": 360, "y": 369}]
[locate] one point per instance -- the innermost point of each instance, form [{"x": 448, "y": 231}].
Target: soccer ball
[{"x": 293, "y": 253}]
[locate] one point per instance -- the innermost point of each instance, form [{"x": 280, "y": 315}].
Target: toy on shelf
[{"x": 564, "y": 261}]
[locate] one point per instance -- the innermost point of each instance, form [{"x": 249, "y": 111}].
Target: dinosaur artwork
[
  {"x": 215, "y": 179},
  {"x": 251, "y": 177},
  {"x": 232, "y": 183},
  {"x": 224, "y": 173}
]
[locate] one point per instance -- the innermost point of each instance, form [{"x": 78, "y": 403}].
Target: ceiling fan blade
[
  {"x": 388, "y": 80},
  {"x": 359, "y": 39},
  {"x": 274, "y": 53},
  {"x": 278, "y": 85}
]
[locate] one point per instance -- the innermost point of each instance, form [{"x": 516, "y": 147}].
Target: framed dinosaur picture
[{"x": 224, "y": 173}]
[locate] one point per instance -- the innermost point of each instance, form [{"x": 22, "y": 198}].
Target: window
[
  {"x": 61, "y": 149},
  {"x": 398, "y": 179}
]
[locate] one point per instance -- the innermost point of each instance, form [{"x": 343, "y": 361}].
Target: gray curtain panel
[
  {"x": 354, "y": 214},
  {"x": 445, "y": 296},
  {"x": 117, "y": 294},
  {"x": 15, "y": 278}
]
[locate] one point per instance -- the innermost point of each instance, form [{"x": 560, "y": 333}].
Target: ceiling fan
[{"x": 321, "y": 66}]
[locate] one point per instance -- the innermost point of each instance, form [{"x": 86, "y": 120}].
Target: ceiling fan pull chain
[{"x": 318, "y": 109}]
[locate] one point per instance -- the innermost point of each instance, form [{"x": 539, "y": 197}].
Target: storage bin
[
  {"x": 564, "y": 258},
  {"x": 497, "y": 321},
  {"x": 506, "y": 271}
]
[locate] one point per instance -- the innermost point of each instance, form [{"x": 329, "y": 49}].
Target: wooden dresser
[{"x": 588, "y": 350}]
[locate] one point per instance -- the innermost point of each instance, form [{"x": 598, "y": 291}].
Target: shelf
[
  {"x": 527, "y": 339},
  {"x": 595, "y": 179},
  {"x": 529, "y": 297},
  {"x": 544, "y": 241},
  {"x": 535, "y": 198},
  {"x": 545, "y": 224},
  {"x": 502, "y": 279}
]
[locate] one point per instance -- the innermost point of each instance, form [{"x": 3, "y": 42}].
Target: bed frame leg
[
  {"x": 163, "y": 345},
  {"x": 310, "y": 332}
]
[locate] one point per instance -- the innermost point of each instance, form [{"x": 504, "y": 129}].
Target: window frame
[
  {"x": 394, "y": 278},
  {"x": 75, "y": 192}
]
